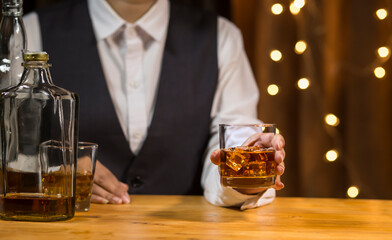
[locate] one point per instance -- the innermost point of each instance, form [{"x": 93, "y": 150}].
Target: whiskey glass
[
  {"x": 86, "y": 162},
  {"x": 245, "y": 163}
]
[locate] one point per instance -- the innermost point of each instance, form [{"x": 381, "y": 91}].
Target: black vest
[{"x": 171, "y": 158}]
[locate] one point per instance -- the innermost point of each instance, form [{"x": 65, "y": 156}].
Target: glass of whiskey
[
  {"x": 245, "y": 163},
  {"x": 53, "y": 181},
  {"x": 87, "y": 153}
]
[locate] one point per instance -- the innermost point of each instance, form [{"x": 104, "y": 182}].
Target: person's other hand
[
  {"x": 107, "y": 188},
  {"x": 264, "y": 140}
]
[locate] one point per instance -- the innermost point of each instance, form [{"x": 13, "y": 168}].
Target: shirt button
[
  {"x": 137, "y": 135},
  {"x": 135, "y": 84}
]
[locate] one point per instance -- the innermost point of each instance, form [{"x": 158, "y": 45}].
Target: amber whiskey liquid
[
  {"x": 247, "y": 167},
  {"x": 37, "y": 197},
  {"x": 35, "y": 207},
  {"x": 84, "y": 184}
]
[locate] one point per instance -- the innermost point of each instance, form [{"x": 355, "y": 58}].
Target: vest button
[{"x": 137, "y": 182}]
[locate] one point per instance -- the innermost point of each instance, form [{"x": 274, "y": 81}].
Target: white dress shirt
[{"x": 131, "y": 56}]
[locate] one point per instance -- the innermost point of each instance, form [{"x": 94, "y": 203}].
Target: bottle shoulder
[{"x": 40, "y": 91}]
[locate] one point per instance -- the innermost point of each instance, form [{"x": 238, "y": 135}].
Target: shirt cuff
[
  {"x": 261, "y": 199},
  {"x": 219, "y": 195}
]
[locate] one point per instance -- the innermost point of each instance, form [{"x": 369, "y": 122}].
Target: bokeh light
[
  {"x": 276, "y": 55},
  {"x": 353, "y": 191},
  {"x": 332, "y": 120},
  {"x": 299, "y": 3},
  {"x": 277, "y": 8},
  {"x": 379, "y": 72},
  {"x": 381, "y": 13},
  {"x": 300, "y": 47},
  {"x": 273, "y": 89},
  {"x": 294, "y": 10},
  {"x": 383, "y": 52},
  {"x": 332, "y": 155},
  {"x": 303, "y": 83}
]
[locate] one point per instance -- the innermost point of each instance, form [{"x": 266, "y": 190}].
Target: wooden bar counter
[{"x": 191, "y": 217}]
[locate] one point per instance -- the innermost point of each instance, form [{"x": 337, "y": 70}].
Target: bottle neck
[
  {"x": 13, "y": 8},
  {"x": 36, "y": 72}
]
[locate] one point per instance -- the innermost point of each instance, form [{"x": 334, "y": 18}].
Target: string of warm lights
[
  {"x": 331, "y": 120},
  {"x": 382, "y": 52}
]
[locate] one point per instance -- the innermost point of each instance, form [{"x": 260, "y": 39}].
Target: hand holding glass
[{"x": 245, "y": 163}]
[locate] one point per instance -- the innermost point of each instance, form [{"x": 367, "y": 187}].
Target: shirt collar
[{"x": 106, "y": 21}]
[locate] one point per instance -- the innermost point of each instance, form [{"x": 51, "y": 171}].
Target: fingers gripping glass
[{"x": 247, "y": 159}]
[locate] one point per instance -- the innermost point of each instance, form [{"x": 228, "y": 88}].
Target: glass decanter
[{"x": 39, "y": 127}]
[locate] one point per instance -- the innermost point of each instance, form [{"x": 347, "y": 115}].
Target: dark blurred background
[
  {"x": 316, "y": 59},
  {"x": 220, "y": 6}
]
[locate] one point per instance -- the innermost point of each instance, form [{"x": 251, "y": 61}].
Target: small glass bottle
[
  {"x": 12, "y": 43},
  {"x": 39, "y": 127}
]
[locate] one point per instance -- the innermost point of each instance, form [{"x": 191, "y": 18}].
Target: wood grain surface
[{"x": 191, "y": 217}]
